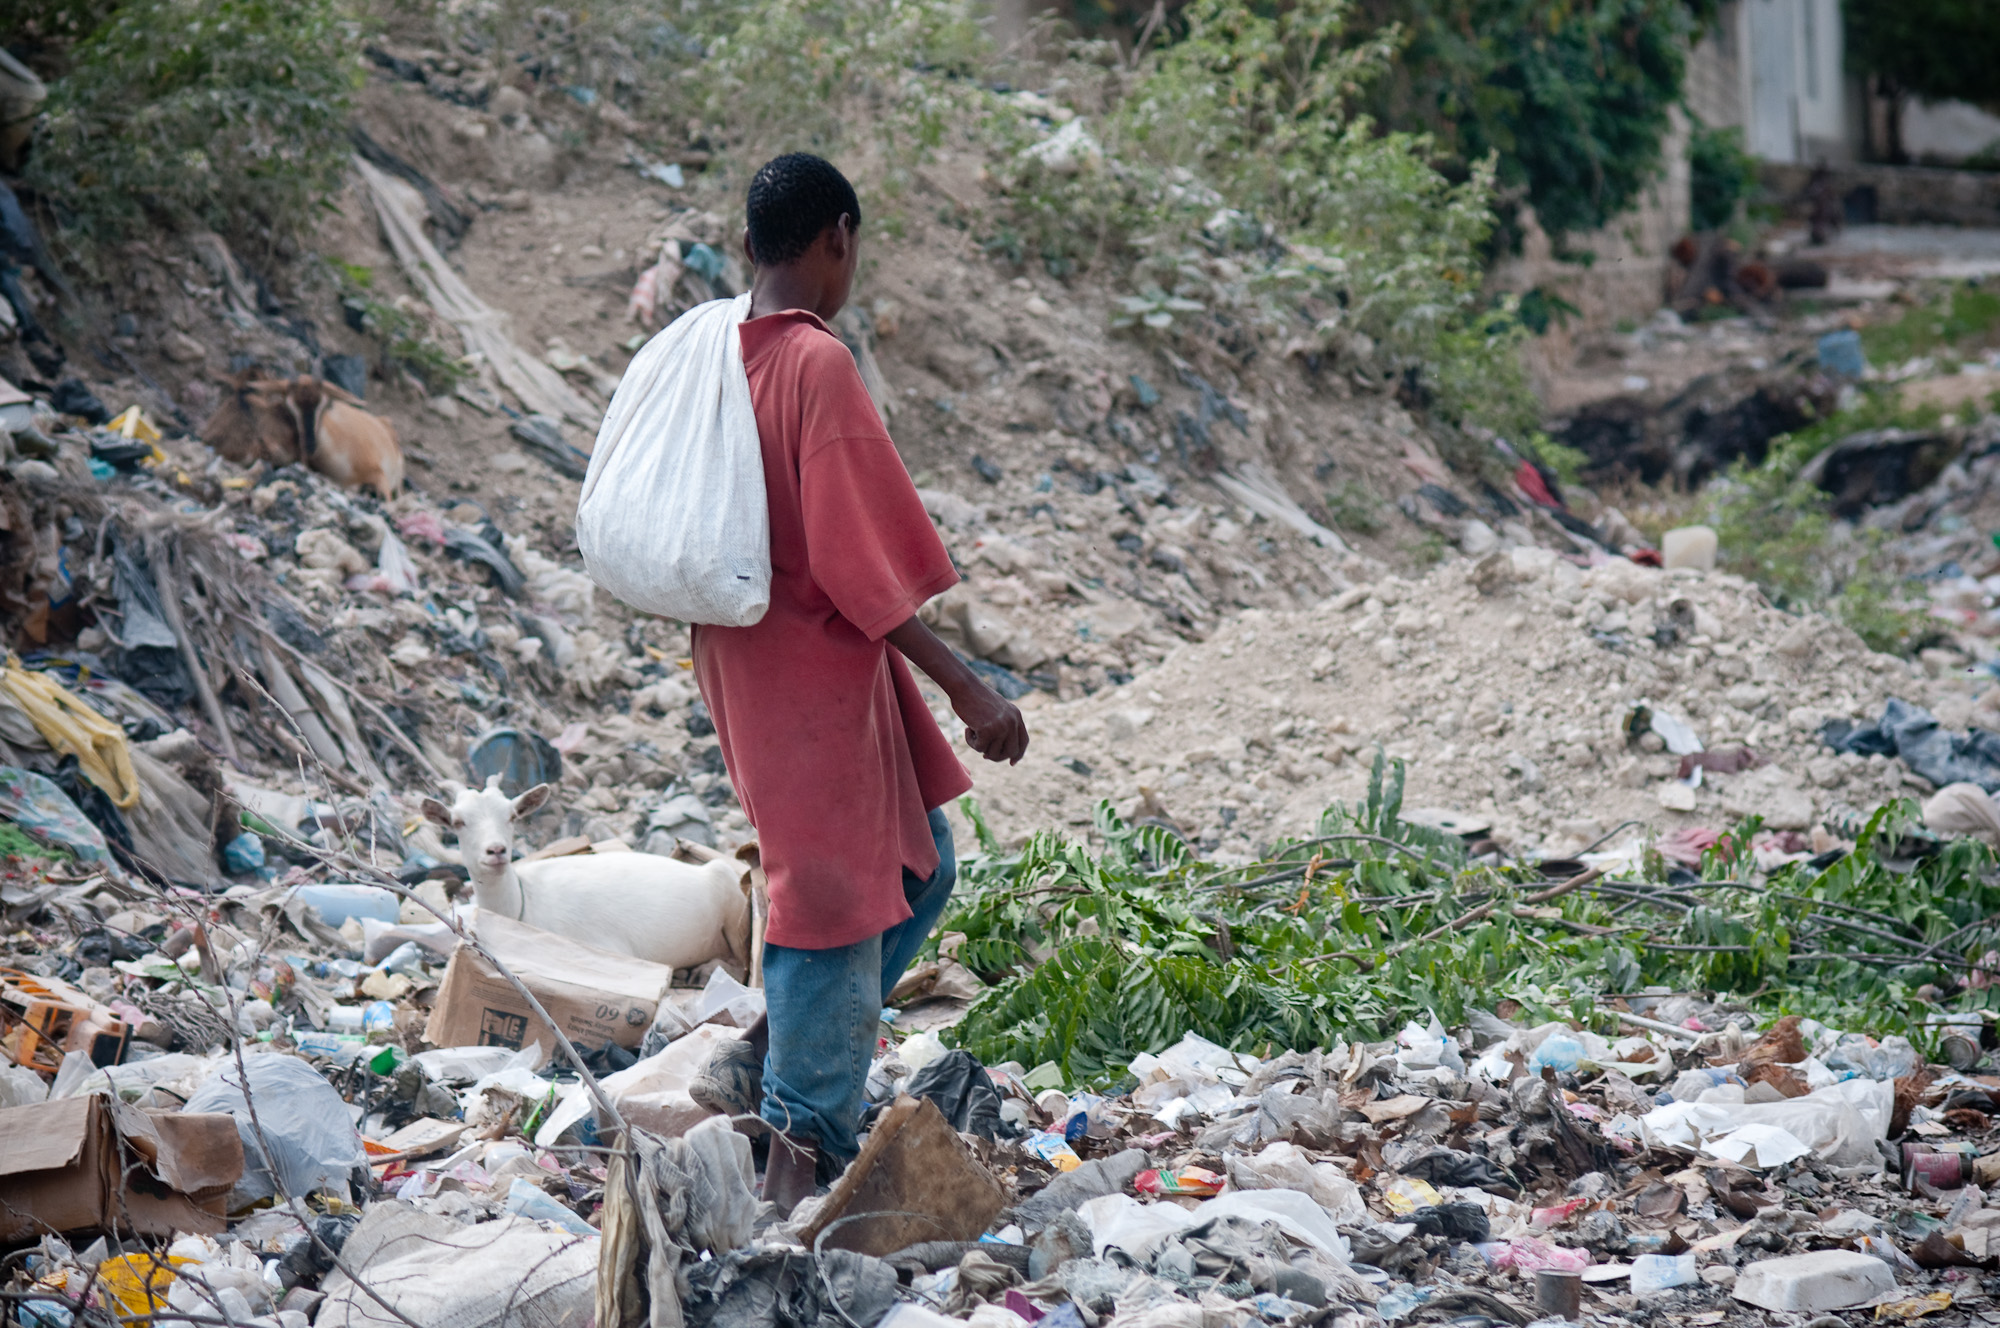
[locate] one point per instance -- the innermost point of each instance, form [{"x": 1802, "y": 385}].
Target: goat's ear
[
  {"x": 531, "y": 802},
  {"x": 438, "y": 814}
]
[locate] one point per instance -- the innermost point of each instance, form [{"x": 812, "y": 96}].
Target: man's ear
[
  {"x": 748, "y": 252},
  {"x": 438, "y": 814},
  {"x": 531, "y": 802},
  {"x": 840, "y": 238}
]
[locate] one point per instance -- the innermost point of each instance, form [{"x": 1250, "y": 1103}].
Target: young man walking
[{"x": 828, "y": 742}]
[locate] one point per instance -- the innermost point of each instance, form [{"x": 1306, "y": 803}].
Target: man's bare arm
[{"x": 993, "y": 724}]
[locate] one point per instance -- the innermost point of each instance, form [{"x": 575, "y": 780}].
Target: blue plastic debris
[{"x": 244, "y": 854}]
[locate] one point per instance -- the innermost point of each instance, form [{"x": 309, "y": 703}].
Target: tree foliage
[
  {"x": 1574, "y": 98},
  {"x": 1936, "y": 49},
  {"x": 227, "y": 114}
]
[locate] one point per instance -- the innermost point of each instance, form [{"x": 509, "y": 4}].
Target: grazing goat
[
  {"x": 305, "y": 419},
  {"x": 639, "y": 904}
]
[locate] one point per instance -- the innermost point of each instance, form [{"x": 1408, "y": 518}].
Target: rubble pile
[{"x": 1547, "y": 702}]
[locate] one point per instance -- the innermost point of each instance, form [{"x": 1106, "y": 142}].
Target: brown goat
[{"x": 280, "y": 422}]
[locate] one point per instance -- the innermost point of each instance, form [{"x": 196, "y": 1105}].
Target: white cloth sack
[{"x": 673, "y": 519}]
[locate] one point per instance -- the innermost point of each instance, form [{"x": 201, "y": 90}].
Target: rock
[
  {"x": 1121, "y": 725},
  {"x": 1813, "y": 1283},
  {"x": 1797, "y": 643},
  {"x": 1675, "y": 796},
  {"x": 1490, "y": 575},
  {"x": 1689, "y": 546},
  {"x": 182, "y": 348},
  {"x": 1476, "y": 539}
]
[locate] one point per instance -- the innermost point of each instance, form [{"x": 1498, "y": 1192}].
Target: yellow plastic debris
[
  {"x": 1406, "y": 1194},
  {"x": 1916, "y": 1307},
  {"x": 70, "y": 726},
  {"x": 132, "y": 423},
  {"x": 139, "y": 1282}
]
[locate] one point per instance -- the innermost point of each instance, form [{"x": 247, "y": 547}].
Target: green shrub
[
  {"x": 1573, "y": 98},
  {"x": 1225, "y": 180},
  {"x": 1779, "y": 531},
  {"x": 225, "y": 114},
  {"x": 1720, "y": 176}
]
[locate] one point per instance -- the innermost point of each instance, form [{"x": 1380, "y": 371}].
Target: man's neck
[{"x": 794, "y": 286}]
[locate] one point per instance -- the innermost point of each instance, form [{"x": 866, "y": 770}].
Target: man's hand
[{"x": 993, "y": 725}]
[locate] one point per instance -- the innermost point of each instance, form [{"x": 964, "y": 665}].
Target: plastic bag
[
  {"x": 958, "y": 1083},
  {"x": 446, "y": 1275},
  {"x": 311, "y": 1137},
  {"x": 34, "y": 803},
  {"x": 1285, "y": 1166},
  {"x": 673, "y": 517}
]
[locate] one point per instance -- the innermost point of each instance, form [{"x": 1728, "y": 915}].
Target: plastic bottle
[
  {"x": 531, "y": 1201},
  {"x": 1654, "y": 1273},
  {"x": 338, "y": 903}
]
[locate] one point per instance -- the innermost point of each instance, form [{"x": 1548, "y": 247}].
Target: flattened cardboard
[
  {"x": 63, "y": 1169},
  {"x": 913, "y": 1162},
  {"x": 594, "y": 995}
]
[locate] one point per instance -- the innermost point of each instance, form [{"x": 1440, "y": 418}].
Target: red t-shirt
[{"x": 832, "y": 750}]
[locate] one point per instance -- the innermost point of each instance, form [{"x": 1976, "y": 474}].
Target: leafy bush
[
  {"x": 1721, "y": 175},
  {"x": 1097, "y": 956},
  {"x": 1573, "y": 98},
  {"x": 1236, "y": 176},
  {"x": 226, "y": 114},
  {"x": 1224, "y": 180}
]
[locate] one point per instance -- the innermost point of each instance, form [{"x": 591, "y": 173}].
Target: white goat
[{"x": 639, "y": 904}]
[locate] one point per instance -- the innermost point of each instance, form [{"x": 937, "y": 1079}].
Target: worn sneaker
[{"x": 732, "y": 1083}]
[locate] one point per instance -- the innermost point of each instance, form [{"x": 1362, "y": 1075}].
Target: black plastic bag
[{"x": 963, "y": 1091}]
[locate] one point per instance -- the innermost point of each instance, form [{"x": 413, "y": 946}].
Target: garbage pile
[{"x": 226, "y": 1150}]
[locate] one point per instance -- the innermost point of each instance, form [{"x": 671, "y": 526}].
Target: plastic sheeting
[
  {"x": 445, "y": 1275},
  {"x": 1913, "y": 734},
  {"x": 34, "y": 803},
  {"x": 1839, "y": 1122},
  {"x": 313, "y": 1144}
]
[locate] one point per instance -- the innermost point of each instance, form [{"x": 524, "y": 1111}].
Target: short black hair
[{"x": 792, "y": 199}]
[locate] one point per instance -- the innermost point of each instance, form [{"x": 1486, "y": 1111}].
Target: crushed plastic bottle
[
  {"x": 1558, "y": 1051},
  {"x": 1654, "y": 1273},
  {"x": 532, "y": 1201},
  {"x": 1402, "y": 1302}
]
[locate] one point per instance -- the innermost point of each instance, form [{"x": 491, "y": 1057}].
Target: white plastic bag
[{"x": 673, "y": 519}]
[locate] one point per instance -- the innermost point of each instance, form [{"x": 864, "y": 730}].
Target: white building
[{"x": 1776, "y": 69}]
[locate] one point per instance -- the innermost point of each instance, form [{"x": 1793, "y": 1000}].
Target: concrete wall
[
  {"x": 1628, "y": 277},
  {"x": 1901, "y": 195}
]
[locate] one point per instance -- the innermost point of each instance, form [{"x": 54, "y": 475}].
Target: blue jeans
[{"x": 825, "y": 1010}]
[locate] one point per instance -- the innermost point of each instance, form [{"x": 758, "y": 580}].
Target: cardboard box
[
  {"x": 95, "y": 1164},
  {"x": 593, "y": 995}
]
